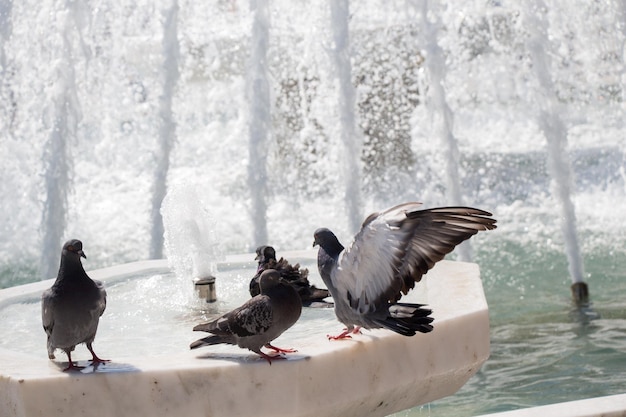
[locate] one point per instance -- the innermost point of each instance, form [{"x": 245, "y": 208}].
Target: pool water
[
  {"x": 544, "y": 350},
  {"x": 157, "y": 328}
]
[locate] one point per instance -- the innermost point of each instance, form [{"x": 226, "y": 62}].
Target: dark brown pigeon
[
  {"x": 297, "y": 277},
  {"x": 71, "y": 308},
  {"x": 391, "y": 252},
  {"x": 259, "y": 320}
]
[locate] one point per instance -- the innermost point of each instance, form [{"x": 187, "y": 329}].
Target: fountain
[
  {"x": 191, "y": 245},
  {"x": 153, "y": 372},
  {"x": 494, "y": 94}
]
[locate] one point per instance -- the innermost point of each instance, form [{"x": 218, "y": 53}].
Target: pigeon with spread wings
[
  {"x": 390, "y": 253},
  {"x": 294, "y": 275}
]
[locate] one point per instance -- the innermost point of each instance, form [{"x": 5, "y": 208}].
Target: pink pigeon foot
[
  {"x": 345, "y": 334},
  {"x": 279, "y": 350},
  {"x": 71, "y": 366},
  {"x": 95, "y": 358},
  {"x": 270, "y": 358}
]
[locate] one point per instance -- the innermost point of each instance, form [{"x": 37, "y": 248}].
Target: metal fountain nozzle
[{"x": 205, "y": 287}]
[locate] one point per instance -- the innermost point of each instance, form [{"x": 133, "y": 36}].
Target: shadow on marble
[
  {"x": 249, "y": 358},
  {"x": 95, "y": 368}
]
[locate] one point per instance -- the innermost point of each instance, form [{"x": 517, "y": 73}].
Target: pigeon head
[
  {"x": 269, "y": 278},
  {"x": 327, "y": 241},
  {"x": 265, "y": 253},
  {"x": 74, "y": 246}
]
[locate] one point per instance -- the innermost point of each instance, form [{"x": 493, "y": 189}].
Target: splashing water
[
  {"x": 118, "y": 141},
  {"x": 191, "y": 244}
]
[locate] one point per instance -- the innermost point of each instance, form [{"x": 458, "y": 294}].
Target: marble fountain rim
[{"x": 202, "y": 367}]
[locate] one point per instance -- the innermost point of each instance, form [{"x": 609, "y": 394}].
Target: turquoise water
[{"x": 544, "y": 350}]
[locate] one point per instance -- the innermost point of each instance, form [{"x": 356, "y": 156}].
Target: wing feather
[
  {"x": 252, "y": 318},
  {"x": 396, "y": 247},
  {"x": 47, "y": 317},
  {"x": 102, "y": 302}
]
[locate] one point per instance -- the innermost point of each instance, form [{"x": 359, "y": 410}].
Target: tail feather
[
  {"x": 408, "y": 319},
  {"x": 406, "y": 310},
  {"x": 204, "y": 327},
  {"x": 211, "y": 340}
]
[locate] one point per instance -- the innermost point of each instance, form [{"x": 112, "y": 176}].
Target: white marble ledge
[
  {"x": 374, "y": 374},
  {"x": 609, "y": 406}
]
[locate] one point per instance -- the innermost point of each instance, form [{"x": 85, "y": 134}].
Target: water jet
[{"x": 555, "y": 132}]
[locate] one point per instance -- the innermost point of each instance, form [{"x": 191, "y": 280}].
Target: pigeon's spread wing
[
  {"x": 367, "y": 271},
  {"x": 396, "y": 247}
]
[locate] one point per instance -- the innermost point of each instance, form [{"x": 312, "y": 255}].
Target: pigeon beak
[
  {"x": 314, "y": 243},
  {"x": 81, "y": 253}
]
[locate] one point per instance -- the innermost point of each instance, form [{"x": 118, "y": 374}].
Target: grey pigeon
[
  {"x": 391, "y": 252},
  {"x": 295, "y": 276},
  {"x": 259, "y": 320},
  {"x": 71, "y": 308}
]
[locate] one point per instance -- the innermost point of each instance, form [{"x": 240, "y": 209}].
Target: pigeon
[
  {"x": 71, "y": 308},
  {"x": 391, "y": 252},
  {"x": 297, "y": 277},
  {"x": 259, "y": 320}
]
